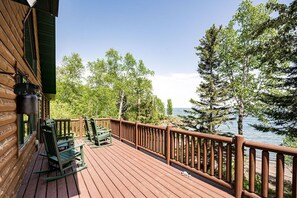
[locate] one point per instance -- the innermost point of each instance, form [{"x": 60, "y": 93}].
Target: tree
[
  {"x": 240, "y": 65},
  {"x": 212, "y": 107},
  {"x": 280, "y": 98},
  {"x": 169, "y": 107},
  {"x": 69, "y": 87}
]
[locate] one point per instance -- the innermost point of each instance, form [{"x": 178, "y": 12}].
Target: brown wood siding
[{"x": 13, "y": 160}]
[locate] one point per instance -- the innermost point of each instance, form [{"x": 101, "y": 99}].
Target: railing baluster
[
  {"x": 187, "y": 150},
  {"x": 212, "y": 161},
  {"x": 205, "y": 155},
  {"x": 252, "y": 170},
  {"x": 228, "y": 163},
  {"x": 177, "y": 147},
  {"x": 220, "y": 160},
  {"x": 172, "y": 145},
  {"x": 64, "y": 123},
  {"x": 280, "y": 175},
  {"x": 192, "y": 151},
  {"x": 265, "y": 173},
  {"x": 182, "y": 148},
  {"x": 198, "y": 153},
  {"x": 294, "y": 178}
]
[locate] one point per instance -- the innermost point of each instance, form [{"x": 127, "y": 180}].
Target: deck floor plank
[
  {"x": 154, "y": 177},
  {"x": 41, "y": 186},
  {"x": 82, "y": 188},
  {"x": 128, "y": 178},
  {"x": 118, "y": 170},
  {"x": 161, "y": 177},
  {"x": 33, "y": 182},
  {"x": 28, "y": 174},
  {"x": 145, "y": 178},
  {"x": 121, "y": 182},
  {"x": 175, "y": 175}
]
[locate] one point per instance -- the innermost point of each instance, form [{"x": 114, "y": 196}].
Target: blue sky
[{"x": 163, "y": 33}]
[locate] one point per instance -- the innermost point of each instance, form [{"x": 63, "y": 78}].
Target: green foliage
[
  {"x": 212, "y": 107},
  {"x": 240, "y": 62},
  {"x": 116, "y": 87},
  {"x": 280, "y": 98},
  {"x": 169, "y": 107}
]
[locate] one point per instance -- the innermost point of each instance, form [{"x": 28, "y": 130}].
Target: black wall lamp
[{"x": 27, "y": 95}]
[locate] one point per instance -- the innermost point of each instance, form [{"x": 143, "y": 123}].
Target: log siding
[{"x": 13, "y": 159}]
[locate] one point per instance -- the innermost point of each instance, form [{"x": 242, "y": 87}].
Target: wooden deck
[{"x": 116, "y": 171}]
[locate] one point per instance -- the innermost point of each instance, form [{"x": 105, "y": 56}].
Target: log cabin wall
[{"x": 13, "y": 157}]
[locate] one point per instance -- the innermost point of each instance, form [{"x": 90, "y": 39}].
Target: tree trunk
[
  {"x": 240, "y": 118},
  {"x": 121, "y": 104}
]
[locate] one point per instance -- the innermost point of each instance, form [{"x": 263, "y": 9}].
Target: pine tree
[
  {"x": 211, "y": 109},
  {"x": 280, "y": 98}
]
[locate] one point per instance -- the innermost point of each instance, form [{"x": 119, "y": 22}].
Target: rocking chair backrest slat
[
  {"x": 86, "y": 125},
  {"x": 94, "y": 127},
  {"x": 50, "y": 140}
]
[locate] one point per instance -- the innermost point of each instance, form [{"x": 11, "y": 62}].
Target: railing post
[
  {"x": 168, "y": 144},
  {"x": 239, "y": 140},
  {"x": 80, "y": 127},
  {"x": 136, "y": 135},
  {"x": 120, "y": 130}
]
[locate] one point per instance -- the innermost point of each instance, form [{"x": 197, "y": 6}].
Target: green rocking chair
[
  {"x": 61, "y": 160},
  {"x": 101, "y": 136}
]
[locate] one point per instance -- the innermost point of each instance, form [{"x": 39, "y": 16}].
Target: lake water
[{"x": 249, "y": 132}]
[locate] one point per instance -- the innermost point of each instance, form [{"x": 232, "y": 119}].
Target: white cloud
[{"x": 179, "y": 87}]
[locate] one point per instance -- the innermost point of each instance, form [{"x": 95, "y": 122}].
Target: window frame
[{"x": 30, "y": 54}]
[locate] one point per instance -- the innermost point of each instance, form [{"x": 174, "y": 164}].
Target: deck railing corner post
[
  {"x": 168, "y": 129},
  {"x": 239, "y": 141}
]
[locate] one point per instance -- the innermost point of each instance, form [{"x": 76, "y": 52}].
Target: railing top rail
[
  {"x": 204, "y": 135},
  {"x": 271, "y": 147},
  {"x": 113, "y": 119},
  {"x": 152, "y": 126},
  {"x": 73, "y": 120},
  {"x": 127, "y": 122},
  {"x": 62, "y": 120},
  {"x": 102, "y": 119}
]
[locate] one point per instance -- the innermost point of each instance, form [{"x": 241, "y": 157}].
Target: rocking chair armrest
[
  {"x": 65, "y": 141},
  {"x": 71, "y": 134},
  {"x": 76, "y": 146}
]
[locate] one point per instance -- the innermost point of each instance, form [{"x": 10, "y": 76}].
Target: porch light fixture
[{"x": 27, "y": 95}]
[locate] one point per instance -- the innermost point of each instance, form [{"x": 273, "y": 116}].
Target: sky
[{"x": 162, "y": 33}]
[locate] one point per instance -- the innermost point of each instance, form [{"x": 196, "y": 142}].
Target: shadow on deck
[{"x": 116, "y": 171}]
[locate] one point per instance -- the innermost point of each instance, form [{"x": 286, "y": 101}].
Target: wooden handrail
[
  {"x": 208, "y": 155},
  {"x": 271, "y": 148}
]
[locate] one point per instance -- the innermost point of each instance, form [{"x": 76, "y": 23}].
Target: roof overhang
[
  {"x": 50, "y": 6},
  {"x": 46, "y": 24}
]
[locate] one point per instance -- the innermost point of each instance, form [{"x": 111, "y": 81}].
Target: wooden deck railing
[{"x": 217, "y": 158}]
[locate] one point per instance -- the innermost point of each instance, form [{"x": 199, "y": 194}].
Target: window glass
[{"x": 29, "y": 43}]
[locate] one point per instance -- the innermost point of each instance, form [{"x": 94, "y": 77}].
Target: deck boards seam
[
  {"x": 116, "y": 171},
  {"x": 188, "y": 182},
  {"x": 144, "y": 180},
  {"x": 173, "y": 187},
  {"x": 89, "y": 150}
]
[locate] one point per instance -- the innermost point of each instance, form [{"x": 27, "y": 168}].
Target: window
[{"x": 29, "y": 42}]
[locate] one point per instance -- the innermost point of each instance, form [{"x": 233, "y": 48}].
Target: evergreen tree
[
  {"x": 280, "y": 97},
  {"x": 212, "y": 107},
  {"x": 169, "y": 107}
]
